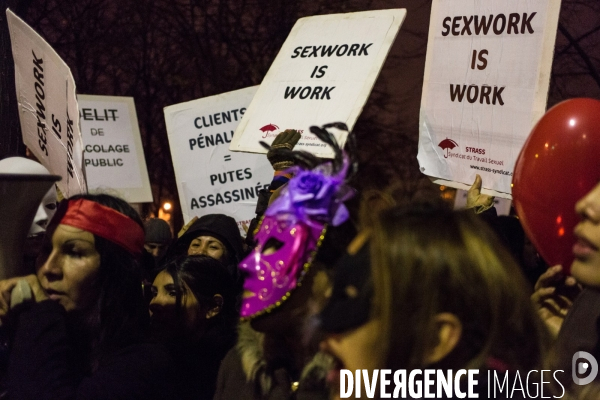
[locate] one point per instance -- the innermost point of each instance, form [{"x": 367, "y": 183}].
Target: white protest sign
[
  {"x": 323, "y": 73},
  {"x": 113, "y": 152},
  {"x": 486, "y": 83},
  {"x": 210, "y": 178},
  {"x": 47, "y": 106}
]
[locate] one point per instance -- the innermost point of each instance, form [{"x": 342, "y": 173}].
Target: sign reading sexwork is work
[
  {"x": 210, "y": 178},
  {"x": 323, "y": 73},
  {"x": 47, "y": 106},
  {"x": 486, "y": 84},
  {"x": 113, "y": 152}
]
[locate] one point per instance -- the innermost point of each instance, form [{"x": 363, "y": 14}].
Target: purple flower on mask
[
  {"x": 306, "y": 185},
  {"x": 314, "y": 196}
]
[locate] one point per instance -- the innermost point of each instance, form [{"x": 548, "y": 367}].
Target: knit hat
[
  {"x": 157, "y": 231},
  {"x": 220, "y": 226}
]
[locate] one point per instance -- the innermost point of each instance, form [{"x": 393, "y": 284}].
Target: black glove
[{"x": 286, "y": 139}]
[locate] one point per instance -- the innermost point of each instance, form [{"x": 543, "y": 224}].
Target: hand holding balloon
[{"x": 553, "y": 297}]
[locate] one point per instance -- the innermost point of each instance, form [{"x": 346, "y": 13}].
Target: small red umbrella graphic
[
  {"x": 269, "y": 128},
  {"x": 447, "y": 144}
]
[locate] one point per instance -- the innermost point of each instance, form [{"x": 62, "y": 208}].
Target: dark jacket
[
  {"x": 580, "y": 331},
  {"x": 246, "y": 374},
  {"x": 42, "y": 360},
  {"x": 197, "y": 366}
]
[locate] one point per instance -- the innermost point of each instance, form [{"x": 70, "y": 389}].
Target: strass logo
[
  {"x": 269, "y": 128},
  {"x": 447, "y": 144}
]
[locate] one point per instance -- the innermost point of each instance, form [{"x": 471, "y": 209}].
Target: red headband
[{"x": 106, "y": 223}]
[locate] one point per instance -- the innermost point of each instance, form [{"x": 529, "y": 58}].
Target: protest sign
[
  {"x": 486, "y": 83},
  {"x": 210, "y": 178},
  {"x": 323, "y": 73},
  {"x": 47, "y": 106},
  {"x": 113, "y": 152}
]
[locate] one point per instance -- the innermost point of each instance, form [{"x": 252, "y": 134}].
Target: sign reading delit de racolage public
[
  {"x": 485, "y": 86},
  {"x": 47, "y": 106},
  {"x": 210, "y": 178},
  {"x": 113, "y": 153},
  {"x": 323, "y": 73}
]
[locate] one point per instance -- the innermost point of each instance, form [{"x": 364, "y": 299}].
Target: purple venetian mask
[{"x": 290, "y": 234}]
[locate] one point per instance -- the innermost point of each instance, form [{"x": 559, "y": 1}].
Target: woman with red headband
[{"x": 82, "y": 333}]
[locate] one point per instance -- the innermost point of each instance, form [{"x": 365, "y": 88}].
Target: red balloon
[{"x": 558, "y": 165}]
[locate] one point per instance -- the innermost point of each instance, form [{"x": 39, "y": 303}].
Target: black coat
[
  {"x": 245, "y": 373},
  {"x": 42, "y": 359},
  {"x": 197, "y": 366},
  {"x": 580, "y": 331}
]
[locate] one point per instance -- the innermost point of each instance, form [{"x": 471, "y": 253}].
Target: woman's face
[
  {"x": 586, "y": 267},
  {"x": 162, "y": 305},
  {"x": 208, "y": 246},
  {"x": 68, "y": 274}
]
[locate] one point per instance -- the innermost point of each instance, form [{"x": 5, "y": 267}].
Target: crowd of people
[{"x": 119, "y": 309}]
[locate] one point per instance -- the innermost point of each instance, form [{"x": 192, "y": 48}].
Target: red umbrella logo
[
  {"x": 447, "y": 144},
  {"x": 269, "y": 128}
]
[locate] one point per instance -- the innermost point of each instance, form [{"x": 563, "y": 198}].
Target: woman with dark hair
[
  {"x": 82, "y": 335},
  {"x": 433, "y": 289},
  {"x": 193, "y": 313},
  {"x": 213, "y": 235}
]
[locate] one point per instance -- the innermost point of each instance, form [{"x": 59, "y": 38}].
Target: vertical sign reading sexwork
[
  {"x": 113, "y": 153},
  {"x": 323, "y": 73},
  {"x": 47, "y": 106},
  {"x": 486, "y": 83},
  {"x": 210, "y": 178}
]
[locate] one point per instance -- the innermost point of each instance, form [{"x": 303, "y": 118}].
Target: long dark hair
[{"x": 119, "y": 315}]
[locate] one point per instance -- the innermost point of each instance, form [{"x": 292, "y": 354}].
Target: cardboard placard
[
  {"x": 486, "y": 83},
  {"x": 113, "y": 153},
  {"x": 323, "y": 73},
  {"x": 210, "y": 178},
  {"x": 47, "y": 106}
]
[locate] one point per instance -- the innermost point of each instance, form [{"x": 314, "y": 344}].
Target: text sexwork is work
[
  {"x": 40, "y": 113},
  {"x": 499, "y": 24},
  {"x": 310, "y": 92}
]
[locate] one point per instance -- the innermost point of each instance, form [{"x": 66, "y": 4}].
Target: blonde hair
[{"x": 429, "y": 261}]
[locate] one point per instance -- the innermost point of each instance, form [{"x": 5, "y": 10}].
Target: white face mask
[
  {"x": 21, "y": 165},
  {"x": 45, "y": 212}
]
